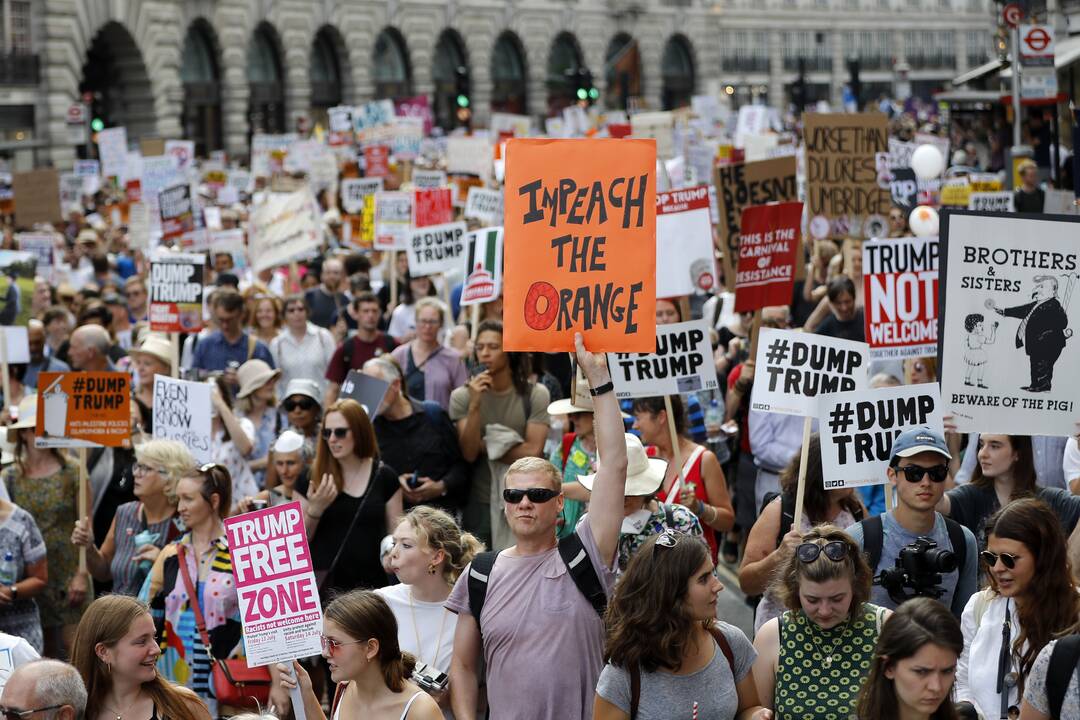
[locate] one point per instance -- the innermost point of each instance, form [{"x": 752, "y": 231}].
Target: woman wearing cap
[
  {"x": 662, "y": 628},
  {"x": 232, "y": 440},
  {"x": 45, "y": 483},
  {"x": 432, "y": 371},
  {"x": 643, "y": 515},
  {"x": 141, "y": 528},
  {"x": 303, "y": 349},
  {"x": 575, "y": 456},
  {"x": 302, "y": 405},
  {"x": 152, "y": 357},
  {"x": 812, "y": 660},
  {"x": 256, "y": 402}
]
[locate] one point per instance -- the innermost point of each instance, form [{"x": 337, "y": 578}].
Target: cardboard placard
[
  {"x": 794, "y": 368},
  {"x": 769, "y": 243},
  {"x": 16, "y": 343},
  {"x": 841, "y": 176},
  {"x": 436, "y": 249},
  {"x": 150, "y": 147},
  {"x": 37, "y": 196},
  {"x": 284, "y": 228},
  {"x": 1008, "y": 348},
  {"x": 112, "y": 150},
  {"x": 580, "y": 244},
  {"x": 393, "y": 220},
  {"x": 684, "y": 245},
  {"x": 740, "y": 185},
  {"x": 900, "y": 288},
  {"x": 681, "y": 363},
  {"x": 483, "y": 266},
  {"x": 182, "y": 413},
  {"x": 367, "y": 390},
  {"x": 83, "y": 409},
  {"x": 858, "y": 429},
  {"x": 175, "y": 208},
  {"x": 432, "y": 207},
  {"x": 1000, "y": 201},
  {"x": 176, "y": 293},
  {"x": 660, "y": 126},
  {"x": 42, "y": 245},
  {"x": 354, "y": 190},
  {"x": 484, "y": 205},
  {"x": 278, "y": 595},
  {"x": 1060, "y": 202}
]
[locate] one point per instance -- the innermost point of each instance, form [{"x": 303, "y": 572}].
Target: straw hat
[
  {"x": 582, "y": 401},
  {"x": 27, "y": 417},
  {"x": 156, "y": 346},
  {"x": 252, "y": 375},
  {"x": 644, "y": 475}
]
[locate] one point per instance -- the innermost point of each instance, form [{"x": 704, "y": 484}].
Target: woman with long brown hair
[
  {"x": 351, "y": 501},
  {"x": 662, "y": 627},
  {"x": 115, "y": 652},
  {"x": 1031, "y": 590},
  {"x": 914, "y": 665}
]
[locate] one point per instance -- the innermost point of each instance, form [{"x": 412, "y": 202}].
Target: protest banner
[
  {"x": 112, "y": 151},
  {"x": 859, "y": 427},
  {"x": 985, "y": 182},
  {"x": 900, "y": 288},
  {"x": 176, "y": 293},
  {"x": 1000, "y": 201},
  {"x": 339, "y": 126},
  {"x": 175, "y": 209},
  {"x": 354, "y": 190},
  {"x": 904, "y": 189},
  {"x": 769, "y": 244},
  {"x": 87, "y": 168},
  {"x": 406, "y": 134},
  {"x": 182, "y": 413},
  {"x": 367, "y": 390},
  {"x": 681, "y": 363},
  {"x": 393, "y": 220},
  {"x": 417, "y": 106},
  {"x": 432, "y": 207},
  {"x": 268, "y": 152},
  {"x": 684, "y": 246},
  {"x": 1007, "y": 346},
  {"x": 484, "y": 205},
  {"x": 580, "y": 237},
  {"x": 483, "y": 266},
  {"x": 16, "y": 345},
  {"x": 429, "y": 179},
  {"x": 71, "y": 190},
  {"x": 43, "y": 247},
  {"x": 139, "y": 226},
  {"x": 372, "y": 114},
  {"x": 955, "y": 192},
  {"x": 469, "y": 156},
  {"x": 152, "y": 146},
  {"x": 506, "y": 125},
  {"x": 376, "y": 161},
  {"x": 660, "y": 126},
  {"x": 436, "y": 248},
  {"x": 793, "y": 368},
  {"x": 83, "y": 409},
  {"x": 184, "y": 152},
  {"x": 751, "y": 120},
  {"x": 740, "y": 185},
  {"x": 37, "y": 196},
  {"x": 841, "y": 177},
  {"x": 285, "y": 227},
  {"x": 278, "y": 595},
  {"x": 227, "y": 241}
]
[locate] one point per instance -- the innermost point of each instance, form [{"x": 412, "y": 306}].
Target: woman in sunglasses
[
  {"x": 1031, "y": 591},
  {"x": 914, "y": 665},
  {"x": 351, "y": 501},
  {"x": 204, "y": 499},
  {"x": 115, "y": 652},
  {"x": 813, "y": 658},
  {"x": 663, "y": 639},
  {"x": 360, "y": 644}
]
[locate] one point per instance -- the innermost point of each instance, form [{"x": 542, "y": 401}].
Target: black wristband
[{"x": 606, "y": 387}]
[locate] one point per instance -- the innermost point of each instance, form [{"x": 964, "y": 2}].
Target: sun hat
[
  {"x": 644, "y": 475},
  {"x": 156, "y": 346},
  {"x": 27, "y": 417},
  {"x": 252, "y": 375},
  {"x": 302, "y": 386}
]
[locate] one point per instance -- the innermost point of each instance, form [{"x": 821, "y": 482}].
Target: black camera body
[{"x": 919, "y": 568}]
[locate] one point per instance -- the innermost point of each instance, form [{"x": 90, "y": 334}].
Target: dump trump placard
[
  {"x": 83, "y": 409},
  {"x": 682, "y": 363},
  {"x": 794, "y": 368}
]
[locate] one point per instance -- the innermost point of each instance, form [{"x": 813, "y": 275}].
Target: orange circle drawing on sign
[{"x": 1037, "y": 39}]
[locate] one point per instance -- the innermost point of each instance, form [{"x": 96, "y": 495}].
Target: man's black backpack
[{"x": 1063, "y": 660}]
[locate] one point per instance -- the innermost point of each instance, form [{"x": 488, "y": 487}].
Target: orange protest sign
[
  {"x": 580, "y": 245},
  {"x": 84, "y": 409}
]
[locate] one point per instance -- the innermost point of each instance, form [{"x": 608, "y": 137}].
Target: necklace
[
  {"x": 826, "y": 658},
  {"x": 120, "y": 715},
  {"x": 416, "y": 629}
]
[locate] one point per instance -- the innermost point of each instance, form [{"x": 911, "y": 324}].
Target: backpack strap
[
  {"x": 1063, "y": 661},
  {"x": 858, "y": 513},
  {"x": 479, "y": 573},
  {"x": 347, "y": 350},
  {"x": 873, "y": 539},
  {"x": 959, "y": 542},
  {"x": 567, "y": 443},
  {"x": 582, "y": 572}
]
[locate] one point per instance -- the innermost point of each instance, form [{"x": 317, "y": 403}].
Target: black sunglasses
[
  {"x": 991, "y": 558},
  {"x": 535, "y": 495},
  {"x": 835, "y": 550},
  {"x": 303, "y": 404},
  {"x": 339, "y": 433},
  {"x": 13, "y": 714},
  {"x": 914, "y": 473}
]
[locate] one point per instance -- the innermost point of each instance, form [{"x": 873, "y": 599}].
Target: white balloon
[
  {"x": 927, "y": 162},
  {"x": 923, "y": 221}
]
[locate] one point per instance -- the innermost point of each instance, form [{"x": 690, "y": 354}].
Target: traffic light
[
  {"x": 586, "y": 91},
  {"x": 854, "y": 83},
  {"x": 461, "y": 83},
  {"x": 97, "y": 124}
]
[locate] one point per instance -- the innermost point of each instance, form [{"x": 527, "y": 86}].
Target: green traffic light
[
  {"x": 97, "y": 124},
  {"x": 594, "y": 93},
  {"x": 582, "y": 94},
  {"x": 463, "y": 101}
]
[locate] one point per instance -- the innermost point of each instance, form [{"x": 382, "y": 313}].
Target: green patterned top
[{"x": 820, "y": 672}]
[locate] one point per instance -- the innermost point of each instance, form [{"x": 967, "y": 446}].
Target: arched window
[
  {"x": 566, "y": 73},
  {"x": 116, "y": 78},
  {"x": 677, "y": 70},
  {"x": 508, "y": 76},
  {"x": 326, "y": 90},
  {"x": 393, "y": 75},
  {"x": 622, "y": 71},
  {"x": 266, "y": 104},
  {"x": 199, "y": 71},
  {"x": 450, "y": 75}
]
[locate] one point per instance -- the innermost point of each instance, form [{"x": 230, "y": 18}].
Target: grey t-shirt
[
  {"x": 665, "y": 695},
  {"x": 958, "y": 584}
]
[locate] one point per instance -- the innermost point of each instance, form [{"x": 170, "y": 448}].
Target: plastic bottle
[
  {"x": 714, "y": 418},
  {"x": 8, "y": 571}
]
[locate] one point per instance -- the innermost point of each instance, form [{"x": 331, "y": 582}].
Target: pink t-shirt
[{"x": 543, "y": 641}]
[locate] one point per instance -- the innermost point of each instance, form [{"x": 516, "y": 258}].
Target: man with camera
[{"x": 914, "y": 550}]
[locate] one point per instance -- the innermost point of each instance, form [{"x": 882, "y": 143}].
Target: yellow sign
[{"x": 955, "y": 192}]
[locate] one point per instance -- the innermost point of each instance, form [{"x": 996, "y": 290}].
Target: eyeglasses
[
  {"x": 12, "y": 714},
  {"x": 535, "y": 495},
  {"x": 296, "y": 308},
  {"x": 835, "y": 550},
  {"x": 301, "y": 404},
  {"x": 209, "y": 468},
  {"x": 339, "y": 433},
  {"x": 428, "y": 321},
  {"x": 668, "y": 539},
  {"x": 914, "y": 473},
  {"x": 331, "y": 646},
  {"x": 1007, "y": 559},
  {"x": 140, "y": 469}
]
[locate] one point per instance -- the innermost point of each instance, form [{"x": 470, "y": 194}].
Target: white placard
[
  {"x": 112, "y": 149},
  {"x": 436, "y": 249},
  {"x": 17, "y": 342},
  {"x": 284, "y": 228},
  {"x": 428, "y": 179},
  {"x": 484, "y": 205},
  {"x": 354, "y": 190},
  {"x": 681, "y": 364},
  {"x": 182, "y": 413},
  {"x": 1001, "y": 201},
  {"x": 483, "y": 266},
  {"x": 469, "y": 156},
  {"x": 794, "y": 368},
  {"x": 684, "y": 243},
  {"x": 393, "y": 220}
]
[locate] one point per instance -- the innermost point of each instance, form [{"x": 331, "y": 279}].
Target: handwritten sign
[
  {"x": 83, "y": 409},
  {"x": 182, "y": 413}
]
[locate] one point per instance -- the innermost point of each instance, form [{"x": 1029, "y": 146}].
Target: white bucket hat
[{"x": 644, "y": 475}]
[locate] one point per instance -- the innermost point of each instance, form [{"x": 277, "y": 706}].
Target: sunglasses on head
[
  {"x": 914, "y": 473},
  {"x": 536, "y": 495},
  {"x": 339, "y": 433},
  {"x": 301, "y": 404},
  {"x": 991, "y": 558},
  {"x": 835, "y": 550},
  {"x": 668, "y": 538}
]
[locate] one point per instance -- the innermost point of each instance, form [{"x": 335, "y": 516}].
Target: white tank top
[{"x": 404, "y": 713}]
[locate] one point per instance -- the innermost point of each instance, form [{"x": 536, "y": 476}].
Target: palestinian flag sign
[{"x": 483, "y": 266}]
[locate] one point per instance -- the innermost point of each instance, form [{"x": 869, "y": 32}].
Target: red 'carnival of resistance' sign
[
  {"x": 900, "y": 288},
  {"x": 768, "y": 251}
]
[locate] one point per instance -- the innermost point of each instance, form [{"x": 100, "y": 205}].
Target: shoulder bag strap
[
  {"x": 193, "y": 599},
  {"x": 252, "y": 342},
  {"x": 725, "y": 647},
  {"x": 352, "y": 525}
]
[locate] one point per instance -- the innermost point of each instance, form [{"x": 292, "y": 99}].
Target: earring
[
  {"x": 431, "y": 569},
  {"x": 108, "y": 667}
]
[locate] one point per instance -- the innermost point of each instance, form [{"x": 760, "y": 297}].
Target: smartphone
[
  {"x": 477, "y": 369},
  {"x": 413, "y": 482}
]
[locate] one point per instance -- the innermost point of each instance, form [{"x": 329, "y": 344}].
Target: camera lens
[{"x": 939, "y": 560}]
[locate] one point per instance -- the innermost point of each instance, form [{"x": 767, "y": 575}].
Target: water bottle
[
  {"x": 8, "y": 571},
  {"x": 714, "y": 418}
]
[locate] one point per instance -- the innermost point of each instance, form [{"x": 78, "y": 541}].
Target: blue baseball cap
[{"x": 918, "y": 440}]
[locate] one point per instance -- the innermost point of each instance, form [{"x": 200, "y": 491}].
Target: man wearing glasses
[
  {"x": 44, "y": 689},
  {"x": 533, "y": 613},
  {"x": 917, "y": 473}
]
